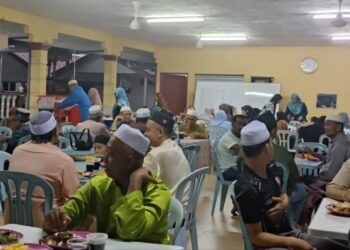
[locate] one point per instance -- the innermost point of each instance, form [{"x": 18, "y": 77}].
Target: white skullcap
[
  {"x": 95, "y": 110},
  {"x": 192, "y": 112},
  {"x": 125, "y": 108},
  {"x": 335, "y": 118},
  {"x": 42, "y": 123},
  {"x": 143, "y": 113},
  {"x": 72, "y": 82},
  {"x": 254, "y": 133},
  {"x": 133, "y": 138}
]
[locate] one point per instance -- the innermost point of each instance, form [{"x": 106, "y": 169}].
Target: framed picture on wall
[{"x": 326, "y": 101}]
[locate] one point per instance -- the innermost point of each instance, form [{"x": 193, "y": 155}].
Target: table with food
[
  {"x": 308, "y": 164},
  {"x": 331, "y": 220},
  {"x": 19, "y": 237}
]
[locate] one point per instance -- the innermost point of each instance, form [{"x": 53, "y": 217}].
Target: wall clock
[{"x": 308, "y": 65}]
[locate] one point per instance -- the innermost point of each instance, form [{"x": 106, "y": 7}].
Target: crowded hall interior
[{"x": 174, "y": 125}]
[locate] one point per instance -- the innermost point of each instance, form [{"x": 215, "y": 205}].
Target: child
[{"x": 100, "y": 145}]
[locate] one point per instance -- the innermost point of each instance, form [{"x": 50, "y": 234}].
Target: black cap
[
  {"x": 164, "y": 120},
  {"x": 103, "y": 139}
]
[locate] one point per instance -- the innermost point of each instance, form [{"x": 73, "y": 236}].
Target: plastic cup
[
  {"x": 78, "y": 244},
  {"x": 90, "y": 166},
  {"x": 97, "y": 241},
  {"x": 97, "y": 163}
]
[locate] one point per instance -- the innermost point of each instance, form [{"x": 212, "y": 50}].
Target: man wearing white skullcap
[
  {"x": 190, "y": 128},
  {"x": 142, "y": 116},
  {"x": 124, "y": 117},
  {"x": 77, "y": 96},
  {"x": 128, "y": 203},
  {"x": 262, "y": 200},
  {"x": 42, "y": 158},
  {"x": 94, "y": 123}
]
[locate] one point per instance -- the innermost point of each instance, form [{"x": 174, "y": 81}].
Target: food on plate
[
  {"x": 342, "y": 207},
  {"x": 17, "y": 246},
  {"x": 85, "y": 174},
  {"x": 57, "y": 239},
  {"x": 8, "y": 236}
]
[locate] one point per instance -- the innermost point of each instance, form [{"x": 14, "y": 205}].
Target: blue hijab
[
  {"x": 220, "y": 119},
  {"x": 295, "y": 105},
  {"x": 122, "y": 98}
]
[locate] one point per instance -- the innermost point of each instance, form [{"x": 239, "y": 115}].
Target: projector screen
[{"x": 210, "y": 94}]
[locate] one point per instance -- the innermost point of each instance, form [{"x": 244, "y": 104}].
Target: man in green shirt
[{"x": 128, "y": 203}]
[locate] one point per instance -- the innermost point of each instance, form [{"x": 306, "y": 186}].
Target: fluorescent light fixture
[
  {"x": 329, "y": 16},
  {"x": 258, "y": 94},
  {"x": 223, "y": 38},
  {"x": 337, "y": 38},
  {"x": 175, "y": 19}
]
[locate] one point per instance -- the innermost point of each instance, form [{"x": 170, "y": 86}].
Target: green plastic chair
[
  {"x": 175, "y": 217},
  {"x": 19, "y": 207},
  {"x": 67, "y": 129}
]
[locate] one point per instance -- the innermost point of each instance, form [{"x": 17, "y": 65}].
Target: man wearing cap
[
  {"x": 262, "y": 200},
  {"x": 20, "y": 122},
  {"x": 124, "y": 117},
  {"x": 128, "y": 203},
  {"x": 142, "y": 116},
  {"x": 77, "y": 96},
  {"x": 94, "y": 123},
  {"x": 339, "y": 150},
  {"x": 166, "y": 158},
  {"x": 190, "y": 128},
  {"x": 42, "y": 158}
]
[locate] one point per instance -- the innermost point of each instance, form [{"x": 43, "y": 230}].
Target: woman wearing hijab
[
  {"x": 220, "y": 120},
  {"x": 296, "y": 109},
  {"x": 95, "y": 98},
  {"x": 121, "y": 101},
  {"x": 271, "y": 105}
]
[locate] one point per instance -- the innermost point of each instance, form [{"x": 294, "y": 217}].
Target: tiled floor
[{"x": 219, "y": 231}]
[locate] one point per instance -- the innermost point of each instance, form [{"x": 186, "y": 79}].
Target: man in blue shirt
[{"x": 79, "y": 97}]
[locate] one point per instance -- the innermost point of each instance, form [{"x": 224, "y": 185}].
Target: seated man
[
  {"x": 42, "y": 158},
  {"x": 20, "y": 122},
  {"x": 339, "y": 187},
  {"x": 166, "y": 158},
  {"x": 142, "y": 116},
  {"x": 190, "y": 128},
  {"x": 128, "y": 202},
  {"x": 263, "y": 202},
  {"x": 94, "y": 123},
  {"x": 229, "y": 146},
  {"x": 312, "y": 132},
  {"x": 124, "y": 117}
]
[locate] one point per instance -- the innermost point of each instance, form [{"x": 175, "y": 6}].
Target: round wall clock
[{"x": 308, "y": 65}]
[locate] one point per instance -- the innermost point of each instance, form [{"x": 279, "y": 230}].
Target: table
[
  {"x": 325, "y": 224},
  {"x": 33, "y": 234},
  {"x": 307, "y": 167},
  {"x": 73, "y": 152},
  {"x": 205, "y": 158}
]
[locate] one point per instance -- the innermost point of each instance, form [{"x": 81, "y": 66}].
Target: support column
[
  {"x": 38, "y": 74},
  {"x": 109, "y": 81}
]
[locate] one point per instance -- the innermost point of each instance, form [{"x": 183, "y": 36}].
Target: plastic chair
[
  {"x": 22, "y": 208},
  {"x": 246, "y": 237},
  {"x": 285, "y": 138},
  {"x": 175, "y": 217},
  {"x": 7, "y": 132},
  {"x": 215, "y": 132},
  {"x": 67, "y": 129},
  {"x": 63, "y": 142},
  {"x": 193, "y": 184},
  {"x": 191, "y": 152},
  {"x": 295, "y": 123},
  {"x": 24, "y": 139},
  {"x": 220, "y": 181},
  {"x": 325, "y": 140},
  {"x": 4, "y": 157}
]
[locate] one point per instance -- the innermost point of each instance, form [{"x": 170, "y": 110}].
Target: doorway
[{"x": 173, "y": 88}]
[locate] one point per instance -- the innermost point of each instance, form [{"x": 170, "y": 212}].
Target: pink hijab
[{"x": 95, "y": 97}]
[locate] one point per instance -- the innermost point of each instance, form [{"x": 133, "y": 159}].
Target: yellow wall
[
  {"x": 332, "y": 76},
  {"x": 279, "y": 62}
]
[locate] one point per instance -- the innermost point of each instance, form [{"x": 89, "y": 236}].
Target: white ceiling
[{"x": 266, "y": 22}]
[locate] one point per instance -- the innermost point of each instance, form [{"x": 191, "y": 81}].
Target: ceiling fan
[
  {"x": 135, "y": 24},
  {"x": 339, "y": 20}
]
